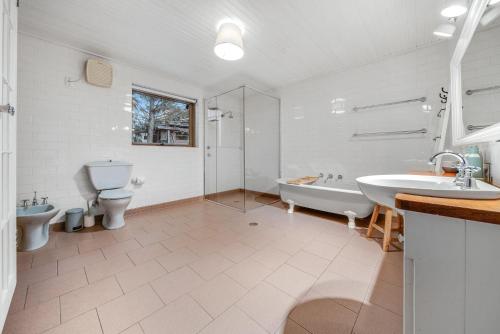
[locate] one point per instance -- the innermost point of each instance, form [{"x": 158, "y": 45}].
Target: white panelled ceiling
[{"x": 285, "y": 40}]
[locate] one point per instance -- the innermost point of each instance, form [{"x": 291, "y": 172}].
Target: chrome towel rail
[
  {"x": 390, "y": 133},
  {"x": 420, "y": 99},
  {"x": 471, "y": 127},
  {"x": 479, "y": 90}
]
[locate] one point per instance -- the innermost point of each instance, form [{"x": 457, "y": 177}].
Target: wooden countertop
[{"x": 487, "y": 211}]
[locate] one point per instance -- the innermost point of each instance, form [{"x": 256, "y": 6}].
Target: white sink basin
[{"x": 383, "y": 188}]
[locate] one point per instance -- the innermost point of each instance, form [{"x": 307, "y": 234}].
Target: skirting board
[
  {"x": 240, "y": 190},
  {"x": 134, "y": 211},
  {"x": 141, "y": 209}
]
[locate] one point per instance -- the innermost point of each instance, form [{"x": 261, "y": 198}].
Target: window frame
[{"x": 192, "y": 118}]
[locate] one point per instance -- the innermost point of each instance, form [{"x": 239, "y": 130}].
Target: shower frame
[{"x": 205, "y": 120}]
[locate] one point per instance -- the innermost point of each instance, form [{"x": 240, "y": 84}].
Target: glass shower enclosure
[{"x": 242, "y": 148}]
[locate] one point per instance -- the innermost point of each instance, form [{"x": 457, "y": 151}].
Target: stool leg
[
  {"x": 373, "y": 220},
  {"x": 401, "y": 227},
  {"x": 387, "y": 229}
]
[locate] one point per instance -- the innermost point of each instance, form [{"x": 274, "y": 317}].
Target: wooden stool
[{"x": 387, "y": 229}]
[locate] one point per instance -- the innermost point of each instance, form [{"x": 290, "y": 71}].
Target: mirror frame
[{"x": 459, "y": 137}]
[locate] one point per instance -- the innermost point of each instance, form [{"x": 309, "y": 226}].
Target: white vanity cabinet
[{"x": 452, "y": 275}]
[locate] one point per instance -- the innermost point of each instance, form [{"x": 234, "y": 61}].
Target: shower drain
[{"x": 253, "y": 223}]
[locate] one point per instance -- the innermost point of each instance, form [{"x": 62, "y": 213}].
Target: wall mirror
[{"x": 475, "y": 77}]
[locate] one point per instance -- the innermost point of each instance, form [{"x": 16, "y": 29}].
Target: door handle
[{"x": 8, "y": 109}]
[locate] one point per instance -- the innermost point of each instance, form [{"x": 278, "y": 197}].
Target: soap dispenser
[{"x": 475, "y": 159}]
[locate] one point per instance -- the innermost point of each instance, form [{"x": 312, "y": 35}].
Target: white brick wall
[
  {"x": 61, "y": 128},
  {"x": 315, "y": 140}
]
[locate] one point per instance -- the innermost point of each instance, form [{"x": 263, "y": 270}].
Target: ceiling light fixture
[
  {"x": 492, "y": 2},
  {"x": 229, "y": 42},
  {"x": 454, "y": 8}
]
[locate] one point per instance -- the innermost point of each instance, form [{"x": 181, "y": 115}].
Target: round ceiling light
[
  {"x": 445, "y": 30},
  {"x": 454, "y": 8},
  {"x": 229, "y": 42}
]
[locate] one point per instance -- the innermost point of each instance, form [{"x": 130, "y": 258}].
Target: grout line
[
  {"x": 99, "y": 318},
  {"x": 156, "y": 293},
  {"x": 86, "y": 276},
  {"x": 118, "y": 282},
  {"x": 298, "y": 324},
  {"x": 26, "y": 297},
  {"x": 201, "y": 306},
  {"x": 140, "y": 327},
  {"x": 60, "y": 310},
  {"x": 248, "y": 315}
]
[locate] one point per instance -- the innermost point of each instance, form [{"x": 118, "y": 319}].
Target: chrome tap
[
  {"x": 464, "y": 177},
  {"x": 35, "y": 200},
  {"x": 26, "y": 203}
]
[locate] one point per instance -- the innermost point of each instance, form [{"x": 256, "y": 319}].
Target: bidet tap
[{"x": 35, "y": 200}]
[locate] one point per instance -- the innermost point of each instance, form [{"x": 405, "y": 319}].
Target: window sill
[{"x": 164, "y": 145}]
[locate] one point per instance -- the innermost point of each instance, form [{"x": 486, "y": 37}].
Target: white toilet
[{"x": 109, "y": 178}]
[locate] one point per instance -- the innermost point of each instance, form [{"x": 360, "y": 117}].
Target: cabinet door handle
[{"x": 8, "y": 109}]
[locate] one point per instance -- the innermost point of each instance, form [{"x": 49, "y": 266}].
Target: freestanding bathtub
[{"x": 341, "y": 199}]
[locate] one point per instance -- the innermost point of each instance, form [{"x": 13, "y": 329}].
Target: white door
[{"x": 8, "y": 95}]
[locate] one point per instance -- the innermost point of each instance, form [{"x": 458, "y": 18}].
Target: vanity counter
[{"x": 487, "y": 211}]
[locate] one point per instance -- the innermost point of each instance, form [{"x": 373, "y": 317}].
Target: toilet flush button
[{"x": 139, "y": 180}]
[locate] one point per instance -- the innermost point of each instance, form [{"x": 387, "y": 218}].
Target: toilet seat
[{"x": 115, "y": 194}]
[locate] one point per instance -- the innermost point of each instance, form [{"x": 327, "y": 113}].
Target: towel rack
[
  {"x": 389, "y": 133},
  {"x": 420, "y": 99},
  {"x": 479, "y": 90},
  {"x": 471, "y": 127}
]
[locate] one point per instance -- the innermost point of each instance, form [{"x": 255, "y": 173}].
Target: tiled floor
[{"x": 200, "y": 268}]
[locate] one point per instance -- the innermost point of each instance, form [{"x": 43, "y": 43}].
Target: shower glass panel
[
  {"x": 262, "y": 148},
  {"x": 242, "y": 148}
]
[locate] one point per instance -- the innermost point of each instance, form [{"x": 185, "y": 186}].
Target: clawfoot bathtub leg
[
  {"x": 351, "y": 216},
  {"x": 291, "y": 206}
]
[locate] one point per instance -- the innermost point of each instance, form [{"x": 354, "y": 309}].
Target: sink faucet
[
  {"x": 35, "y": 200},
  {"x": 464, "y": 177}
]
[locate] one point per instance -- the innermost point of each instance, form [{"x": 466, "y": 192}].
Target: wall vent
[{"x": 99, "y": 73}]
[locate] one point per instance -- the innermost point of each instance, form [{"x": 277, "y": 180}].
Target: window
[{"x": 161, "y": 120}]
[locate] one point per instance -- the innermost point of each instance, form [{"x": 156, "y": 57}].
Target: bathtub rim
[{"x": 283, "y": 181}]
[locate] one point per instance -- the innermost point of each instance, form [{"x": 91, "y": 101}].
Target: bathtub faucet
[
  {"x": 330, "y": 176},
  {"x": 321, "y": 175}
]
